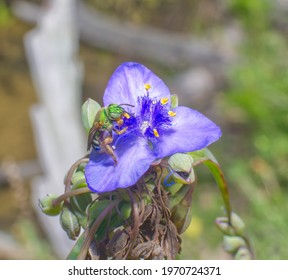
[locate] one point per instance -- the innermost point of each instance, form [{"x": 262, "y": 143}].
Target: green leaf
[
  {"x": 88, "y": 113},
  {"x": 206, "y": 157},
  {"x": 112, "y": 221},
  {"x": 176, "y": 198},
  {"x": 73, "y": 255},
  {"x": 180, "y": 205},
  {"x": 125, "y": 209},
  {"x": 181, "y": 216},
  {"x": 201, "y": 156},
  {"x": 94, "y": 211}
]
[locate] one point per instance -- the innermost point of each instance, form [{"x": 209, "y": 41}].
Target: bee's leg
[
  {"x": 108, "y": 149},
  {"x": 119, "y": 132},
  {"x": 119, "y": 122}
]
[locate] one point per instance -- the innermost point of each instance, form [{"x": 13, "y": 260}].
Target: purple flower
[{"x": 153, "y": 131}]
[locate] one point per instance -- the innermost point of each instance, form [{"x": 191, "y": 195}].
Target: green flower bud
[
  {"x": 88, "y": 113},
  {"x": 237, "y": 223},
  {"x": 182, "y": 165},
  {"x": 47, "y": 207},
  {"x": 243, "y": 254},
  {"x": 78, "y": 180},
  {"x": 237, "y": 226},
  {"x": 233, "y": 243},
  {"x": 69, "y": 223},
  {"x": 224, "y": 226},
  {"x": 78, "y": 176},
  {"x": 81, "y": 166}
]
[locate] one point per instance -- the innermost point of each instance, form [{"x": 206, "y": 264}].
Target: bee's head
[{"x": 115, "y": 111}]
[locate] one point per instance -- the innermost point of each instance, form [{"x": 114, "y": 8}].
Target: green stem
[
  {"x": 222, "y": 183},
  {"x": 90, "y": 231},
  {"x": 205, "y": 156},
  {"x": 219, "y": 177},
  {"x": 68, "y": 179},
  {"x": 136, "y": 222},
  {"x": 68, "y": 194},
  {"x": 249, "y": 246}
]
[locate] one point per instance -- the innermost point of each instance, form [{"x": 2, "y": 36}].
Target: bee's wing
[{"x": 91, "y": 135}]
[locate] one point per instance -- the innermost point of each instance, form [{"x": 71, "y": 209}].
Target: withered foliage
[{"x": 148, "y": 233}]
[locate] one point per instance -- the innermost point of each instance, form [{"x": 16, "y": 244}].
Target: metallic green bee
[{"x": 100, "y": 134}]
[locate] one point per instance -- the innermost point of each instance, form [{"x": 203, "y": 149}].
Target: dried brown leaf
[
  {"x": 171, "y": 242},
  {"x": 117, "y": 245}
]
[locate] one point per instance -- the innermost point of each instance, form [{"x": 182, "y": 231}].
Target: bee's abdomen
[{"x": 96, "y": 144}]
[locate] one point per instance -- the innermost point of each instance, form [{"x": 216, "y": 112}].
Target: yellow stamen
[
  {"x": 156, "y": 134},
  {"x": 126, "y": 115},
  {"x": 164, "y": 100},
  {"x": 147, "y": 86},
  {"x": 171, "y": 114}
]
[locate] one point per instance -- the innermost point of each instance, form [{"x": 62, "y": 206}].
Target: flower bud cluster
[
  {"x": 234, "y": 241},
  {"x": 70, "y": 206}
]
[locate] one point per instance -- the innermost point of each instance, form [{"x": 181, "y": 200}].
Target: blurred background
[{"x": 227, "y": 59}]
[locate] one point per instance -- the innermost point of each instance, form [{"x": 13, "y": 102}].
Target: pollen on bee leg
[
  {"x": 164, "y": 100},
  {"x": 147, "y": 86},
  {"x": 119, "y": 122},
  {"x": 126, "y": 115},
  {"x": 171, "y": 114},
  {"x": 155, "y": 132}
]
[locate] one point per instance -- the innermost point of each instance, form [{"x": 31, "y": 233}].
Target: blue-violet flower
[{"x": 153, "y": 131}]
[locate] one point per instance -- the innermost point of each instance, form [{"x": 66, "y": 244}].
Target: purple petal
[
  {"x": 134, "y": 158},
  {"x": 191, "y": 131},
  {"x": 127, "y": 84}
]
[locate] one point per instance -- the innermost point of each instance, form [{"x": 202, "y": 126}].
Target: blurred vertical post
[{"x": 52, "y": 49}]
